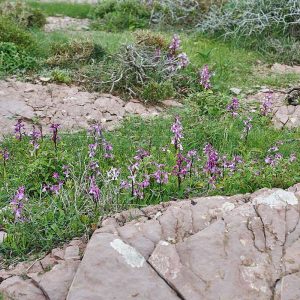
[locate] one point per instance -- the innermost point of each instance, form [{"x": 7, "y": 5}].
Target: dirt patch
[
  {"x": 67, "y": 105},
  {"x": 66, "y": 23}
]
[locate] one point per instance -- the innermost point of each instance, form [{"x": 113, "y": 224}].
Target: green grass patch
[
  {"x": 73, "y": 10},
  {"x": 50, "y": 218}
]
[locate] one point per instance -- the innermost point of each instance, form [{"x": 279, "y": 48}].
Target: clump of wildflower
[
  {"x": 94, "y": 190},
  {"x": 233, "y": 107},
  {"x": 55, "y": 137},
  {"x": 293, "y": 157},
  {"x": 108, "y": 149},
  {"x": 181, "y": 168},
  {"x": 212, "y": 165},
  {"x": 17, "y": 203},
  {"x": 174, "y": 46},
  {"x": 92, "y": 150},
  {"x": 160, "y": 176},
  {"x": 99, "y": 140},
  {"x": 177, "y": 129},
  {"x": 19, "y": 130},
  {"x": 132, "y": 177},
  {"x": 35, "y": 135},
  {"x": 232, "y": 165},
  {"x": 205, "y": 77},
  {"x": 192, "y": 155},
  {"x": 247, "y": 127},
  {"x": 66, "y": 171},
  {"x": 5, "y": 156},
  {"x": 96, "y": 131},
  {"x": 55, "y": 188},
  {"x": 274, "y": 156},
  {"x": 141, "y": 154},
  {"x": 55, "y": 175},
  {"x": 182, "y": 61},
  {"x": 266, "y": 107},
  {"x": 125, "y": 185},
  {"x": 113, "y": 174}
]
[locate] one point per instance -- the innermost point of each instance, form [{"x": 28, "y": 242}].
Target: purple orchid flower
[
  {"x": 55, "y": 137},
  {"x": 94, "y": 190},
  {"x": 177, "y": 129},
  {"x": 19, "y": 130},
  {"x": 205, "y": 77},
  {"x": 18, "y": 203}
]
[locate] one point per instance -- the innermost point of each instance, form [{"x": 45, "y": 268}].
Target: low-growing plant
[
  {"x": 209, "y": 103},
  {"x": 154, "y": 92},
  {"x": 61, "y": 76},
  {"x": 70, "y": 9},
  {"x": 74, "y": 51},
  {"x": 13, "y": 59},
  {"x": 114, "y": 15},
  {"x": 21, "y": 13},
  {"x": 151, "y": 39},
  {"x": 11, "y": 32}
]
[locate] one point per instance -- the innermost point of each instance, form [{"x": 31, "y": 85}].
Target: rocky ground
[
  {"x": 44, "y": 104},
  {"x": 241, "y": 247},
  {"x": 283, "y": 114},
  {"x": 66, "y": 23}
]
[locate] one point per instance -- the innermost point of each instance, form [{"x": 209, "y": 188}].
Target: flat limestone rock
[
  {"x": 242, "y": 247},
  {"x": 111, "y": 269},
  {"x": 52, "y": 103},
  {"x": 18, "y": 289}
]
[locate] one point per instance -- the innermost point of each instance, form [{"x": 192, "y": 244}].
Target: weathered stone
[
  {"x": 72, "y": 252},
  {"x": 171, "y": 103},
  {"x": 48, "y": 262},
  {"x": 35, "y": 268},
  {"x": 285, "y": 69},
  {"x": 111, "y": 269},
  {"x": 135, "y": 108},
  {"x": 18, "y": 289},
  {"x": 288, "y": 288},
  {"x": 240, "y": 247},
  {"x": 66, "y": 105},
  {"x": 58, "y": 281},
  {"x": 66, "y": 23},
  {"x": 58, "y": 253},
  {"x": 166, "y": 261}
]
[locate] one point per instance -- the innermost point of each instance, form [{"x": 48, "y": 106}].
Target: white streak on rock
[
  {"x": 278, "y": 199},
  {"x": 131, "y": 256}
]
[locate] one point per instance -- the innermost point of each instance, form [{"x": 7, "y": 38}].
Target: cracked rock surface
[
  {"x": 239, "y": 247},
  {"x": 72, "y": 108},
  {"x": 283, "y": 115}
]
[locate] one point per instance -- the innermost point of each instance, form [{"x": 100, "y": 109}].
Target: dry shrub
[
  {"x": 151, "y": 39},
  {"x": 71, "y": 51},
  {"x": 22, "y": 14}
]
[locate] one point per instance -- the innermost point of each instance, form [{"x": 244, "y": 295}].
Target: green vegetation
[
  {"x": 13, "y": 59},
  {"x": 270, "y": 26},
  {"x": 67, "y": 186},
  {"x": 73, "y": 10},
  {"x": 22, "y": 14},
  {"x": 50, "y": 217},
  {"x": 114, "y": 15},
  {"x": 10, "y": 32}
]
